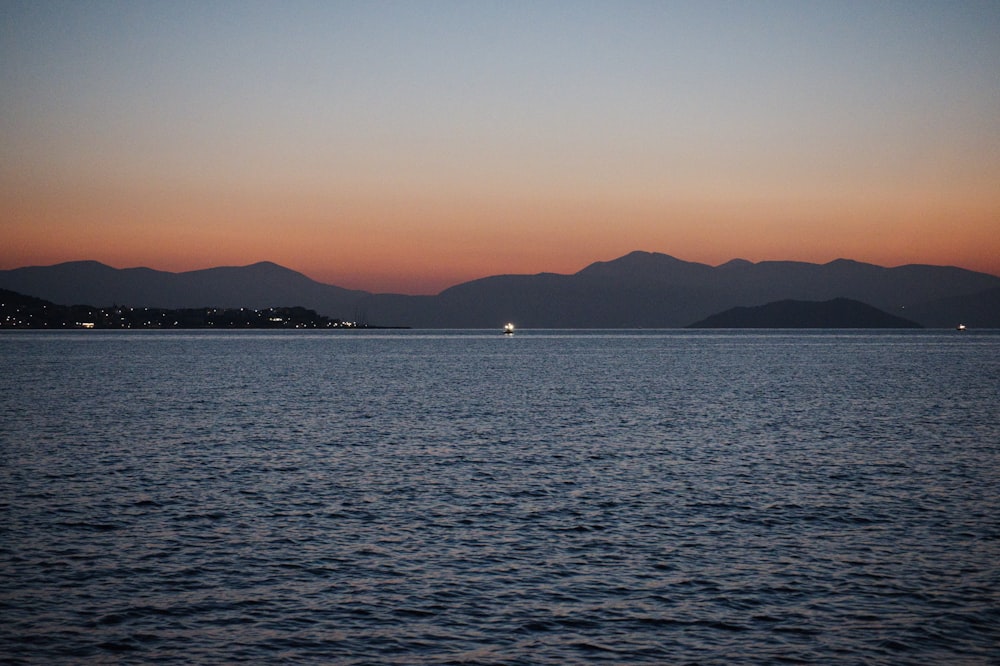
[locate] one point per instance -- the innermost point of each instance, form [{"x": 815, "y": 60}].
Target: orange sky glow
[{"x": 478, "y": 140}]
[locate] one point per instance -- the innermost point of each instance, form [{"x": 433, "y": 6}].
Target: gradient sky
[{"x": 408, "y": 146}]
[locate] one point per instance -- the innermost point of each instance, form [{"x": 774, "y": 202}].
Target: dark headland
[
  {"x": 835, "y": 313},
  {"x": 22, "y": 311}
]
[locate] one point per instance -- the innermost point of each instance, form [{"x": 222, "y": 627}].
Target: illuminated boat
[
  {"x": 508, "y": 329},
  {"x": 960, "y": 327}
]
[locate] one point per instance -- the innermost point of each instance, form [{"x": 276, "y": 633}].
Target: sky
[{"x": 409, "y": 146}]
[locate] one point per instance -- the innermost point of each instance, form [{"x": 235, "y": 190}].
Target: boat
[
  {"x": 508, "y": 329},
  {"x": 960, "y": 327}
]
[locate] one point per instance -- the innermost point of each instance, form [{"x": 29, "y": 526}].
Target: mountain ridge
[
  {"x": 638, "y": 289},
  {"x": 257, "y": 285}
]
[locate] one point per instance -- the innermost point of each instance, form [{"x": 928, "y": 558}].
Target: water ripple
[{"x": 651, "y": 498}]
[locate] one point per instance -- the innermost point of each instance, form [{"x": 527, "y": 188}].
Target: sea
[{"x": 465, "y": 497}]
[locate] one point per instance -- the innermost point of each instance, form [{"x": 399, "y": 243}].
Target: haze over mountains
[{"x": 640, "y": 289}]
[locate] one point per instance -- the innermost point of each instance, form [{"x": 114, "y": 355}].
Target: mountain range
[{"x": 638, "y": 290}]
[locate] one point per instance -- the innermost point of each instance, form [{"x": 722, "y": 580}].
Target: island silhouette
[{"x": 835, "y": 313}]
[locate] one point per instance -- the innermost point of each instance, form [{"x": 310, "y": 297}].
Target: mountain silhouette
[
  {"x": 259, "y": 285},
  {"x": 977, "y": 310},
  {"x": 835, "y": 313},
  {"x": 651, "y": 290},
  {"x": 638, "y": 290}
]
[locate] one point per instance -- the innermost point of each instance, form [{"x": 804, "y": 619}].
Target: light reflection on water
[{"x": 465, "y": 497}]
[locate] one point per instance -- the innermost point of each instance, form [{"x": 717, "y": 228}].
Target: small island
[
  {"x": 835, "y": 313},
  {"x": 21, "y": 311}
]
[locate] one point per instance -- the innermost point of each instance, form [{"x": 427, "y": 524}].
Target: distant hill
[
  {"x": 978, "y": 310},
  {"x": 835, "y": 313},
  {"x": 259, "y": 285},
  {"x": 638, "y": 290},
  {"x": 650, "y": 290}
]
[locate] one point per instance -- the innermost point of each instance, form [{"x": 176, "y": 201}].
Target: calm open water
[{"x": 421, "y": 497}]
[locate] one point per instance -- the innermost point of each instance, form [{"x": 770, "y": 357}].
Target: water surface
[{"x": 419, "y": 497}]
